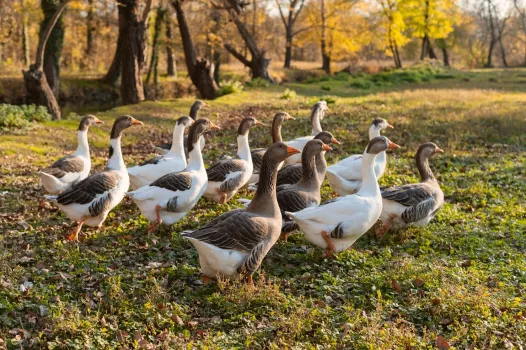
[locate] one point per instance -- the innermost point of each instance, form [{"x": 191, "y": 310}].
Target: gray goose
[
  {"x": 413, "y": 204},
  {"x": 306, "y": 192},
  {"x": 194, "y": 111},
  {"x": 71, "y": 169},
  {"x": 236, "y": 242},
  {"x": 257, "y": 154},
  {"x": 90, "y": 200},
  {"x": 291, "y": 174}
]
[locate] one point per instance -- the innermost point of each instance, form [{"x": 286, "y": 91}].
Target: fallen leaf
[
  {"x": 396, "y": 286},
  {"x": 140, "y": 340},
  {"x": 418, "y": 282},
  {"x": 442, "y": 343},
  {"x": 192, "y": 324},
  {"x": 121, "y": 336},
  {"x": 177, "y": 320}
]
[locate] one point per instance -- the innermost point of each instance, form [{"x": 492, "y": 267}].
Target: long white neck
[
  {"x": 83, "y": 146},
  {"x": 243, "y": 148},
  {"x": 177, "y": 149},
  {"x": 195, "y": 158},
  {"x": 381, "y": 158},
  {"x": 316, "y": 122},
  {"x": 116, "y": 162},
  {"x": 369, "y": 182}
]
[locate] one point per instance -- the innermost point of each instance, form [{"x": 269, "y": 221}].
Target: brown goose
[
  {"x": 291, "y": 174},
  {"x": 306, "y": 192},
  {"x": 70, "y": 169},
  {"x": 90, "y": 200},
  {"x": 194, "y": 111},
  {"x": 413, "y": 204},
  {"x": 236, "y": 242},
  {"x": 257, "y": 154}
]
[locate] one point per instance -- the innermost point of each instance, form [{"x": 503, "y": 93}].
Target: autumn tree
[
  {"x": 53, "y": 48},
  {"x": 394, "y": 22},
  {"x": 289, "y": 19}
]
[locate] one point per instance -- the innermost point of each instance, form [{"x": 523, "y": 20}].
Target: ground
[{"x": 459, "y": 282}]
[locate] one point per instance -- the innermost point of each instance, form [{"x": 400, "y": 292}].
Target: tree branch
[
  {"x": 237, "y": 55},
  {"x": 45, "y": 35},
  {"x": 186, "y": 37},
  {"x": 281, "y": 13},
  {"x": 146, "y": 12}
]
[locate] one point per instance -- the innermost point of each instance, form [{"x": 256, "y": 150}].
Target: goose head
[
  {"x": 428, "y": 150},
  {"x": 87, "y": 121},
  {"x": 196, "y": 107},
  {"x": 198, "y": 128},
  {"x": 246, "y": 124},
  {"x": 279, "y": 151},
  {"x": 327, "y": 138},
  {"x": 122, "y": 123},
  {"x": 184, "y": 122},
  {"x": 380, "y": 144},
  {"x": 380, "y": 124}
]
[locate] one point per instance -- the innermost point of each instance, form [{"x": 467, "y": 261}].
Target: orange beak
[
  {"x": 260, "y": 123},
  {"x": 205, "y": 105},
  {"x": 214, "y": 126},
  {"x": 389, "y": 126},
  {"x": 136, "y": 122},
  {"x": 336, "y": 142},
  {"x": 326, "y": 147},
  {"x": 98, "y": 121},
  {"x": 290, "y": 118},
  {"x": 393, "y": 145},
  {"x": 292, "y": 150},
  {"x": 439, "y": 150}
]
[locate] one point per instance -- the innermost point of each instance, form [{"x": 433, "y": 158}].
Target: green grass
[{"x": 462, "y": 277}]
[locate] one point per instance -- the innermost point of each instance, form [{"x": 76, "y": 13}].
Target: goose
[
  {"x": 194, "y": 111},
  {"x": 337, "y": 224},
  {"x": 345, "y": 177},
  {"x": 71, "y": 169},
  {"x": 306, "y": 192},
  {"x": 257, "y": 154},
  {"x": 318, "y": 112},
  {"x": 236, "y": 242},
  {"x": 413, "y": 204},
  {"x": 291, "y": 174},
  {"x": 175, "y": 160},
  {"x": 169, "y": 198},
  {"x": 90, "y": 200},
  {"x": 227, "y": 176}
]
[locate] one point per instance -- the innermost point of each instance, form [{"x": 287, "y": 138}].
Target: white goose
[
  {"x": 175, "y": 160},
  {"x": 318, "y": 112},
  {"x": 345, "y": 177},
  {"x": 337, "y": 224},
  {"x": 169, "y": 198},
  {"x": 413, "y": 204},
  {"x": 90, "y": 200},
  {"x": 227, "y": 176},
  {"x": 71, "y": 169}
]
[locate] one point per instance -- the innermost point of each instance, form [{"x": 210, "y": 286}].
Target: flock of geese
[{"x": 286, "y": 177}]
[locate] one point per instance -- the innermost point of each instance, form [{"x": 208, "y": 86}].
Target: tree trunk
[
  {"x": 503, "y": 52},
  {"x": 200, "y": 70},
  {"x": 493, "y": 36},
  {"x": 288, "y": 49},
  {"x": 90, "y": 28},
  {"x": 35, "y": 80},
  {"x": 133, "y": 51},
  {"x": 25, "y": 40},
  {"x": 154, "y": 61},
  {"x": 216, "y": 54},
  {"x": 326, "y": 59},
  {"x": 53, "y": 49},
  {"x": 171, "y": 69},
  {"x": 114, "y": 71},
  {"x": 445, "y": 54}
]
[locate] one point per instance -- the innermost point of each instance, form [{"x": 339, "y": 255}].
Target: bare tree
[
  {"x": 200, "y": 70},
  {"x": 427, "y": 48},
  {"x": 258, "y": 63},
  {"x": 154, "y": 60},
  {"x": 289, "y": 21},
  {"x": 35, "y": 79},
  {"x": 522, "y": 16},
  {"x": 171, "y": 68}
]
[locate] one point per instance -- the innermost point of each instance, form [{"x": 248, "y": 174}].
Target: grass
[{"x": 460, "y": 280}]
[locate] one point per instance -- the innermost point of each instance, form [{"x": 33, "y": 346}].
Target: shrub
[
  {"x": 326, "y": 88},
  {"x": 288, "y": 95},
  {"x": 230, "y": 87},
  {"x": 361, "y": 83},
  {"x": 19, "y": 117},
  {"x": 258, "y": 82}
]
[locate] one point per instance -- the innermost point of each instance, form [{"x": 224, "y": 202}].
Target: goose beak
[
  {"x": 439, "y": 150},
  {"x": 292, "y": 150},
  {"x": 260, "y": 123},
  {"x": 289, "y": 118},
  {"x": 214, "y": 126},
  {"x": 98, "y": 121},
  {"x": 336, "y": 142},
  {"x": 205, "y": 105},
  {"x": 393, "y": 145},
  {"x": 136, "y": 122},
  {"x": 389, "y": 126},
  {"x": 326, "y": 147}
]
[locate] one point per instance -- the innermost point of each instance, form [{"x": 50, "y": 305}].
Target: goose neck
[
  {"x": 195, "y": 158},
  {"x": 276, "y": 132},
  {"x": 265, "y": 201},
  {"x": 422, "y": 164},
  {"x": 316, "y": 117},
  {"x": 116, "y": 161},
  {"x": 177, "y": 148},
  {"x": 243, "y": 148},
  {"x": 82, "y": 145},
  {"x": 369, "y": 182}
]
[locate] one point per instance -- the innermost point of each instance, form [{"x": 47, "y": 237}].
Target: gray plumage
[
  {"x": 67, "y": 164},
  {"x": 181, "y": 181},
  {"x": 86, "y": 190}
]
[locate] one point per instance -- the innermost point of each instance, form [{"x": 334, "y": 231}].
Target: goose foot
[
  {"x": 284, "y": 237},
  {"x": 334, "y": 195},
  {"x": 382, "y": 230},
  {"x": 42, "y": 203},
  {"x": 250, "y": 282},
  {"x": 222, "y": 199},
  {"x": 329, "y": 252},
  {"x": 155, "y": 225},
  {"x": 74, "y": 233},
  {"x": 206, "y": 279}
]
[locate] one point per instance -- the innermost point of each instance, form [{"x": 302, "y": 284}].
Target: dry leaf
[
  {"x": 121, "y": 336},
  {"x": 177, "y": 320},
  {"x": 418, "y": 282},
  {"x": 396, "y": 286},
  {"x": 442, "y": 343}
]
